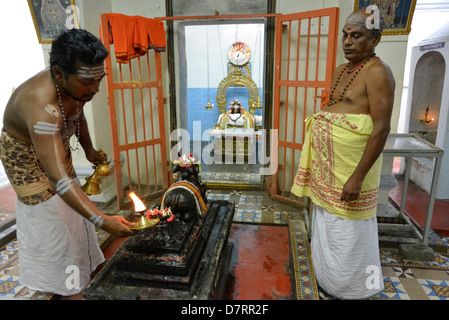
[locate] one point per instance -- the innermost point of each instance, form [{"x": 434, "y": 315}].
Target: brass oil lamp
[{"x": 140, "y": 208}]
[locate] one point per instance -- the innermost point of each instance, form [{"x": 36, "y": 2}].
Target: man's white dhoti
[
  {"x": 345, "y": 255},
  {"x": 58, "y": 248}
]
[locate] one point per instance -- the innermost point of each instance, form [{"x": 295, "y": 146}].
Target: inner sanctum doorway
[{"x": 220, "y": 97}]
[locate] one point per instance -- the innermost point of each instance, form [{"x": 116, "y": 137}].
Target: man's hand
[
  {"x": 96, "y": 157},
  {"x": 118, "y": 226},
  {"x": 351, "y": 189}
]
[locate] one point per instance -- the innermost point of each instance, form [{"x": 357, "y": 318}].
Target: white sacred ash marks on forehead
[
  {"x": 46, "y": 128},
  {"x": 357, "y": 19},
  {"x": 91, "y": 72}
]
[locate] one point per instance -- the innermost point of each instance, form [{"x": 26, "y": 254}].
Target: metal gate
[
  {"x": 136, "y": 110},
  {"x": 305, "y": 55}
]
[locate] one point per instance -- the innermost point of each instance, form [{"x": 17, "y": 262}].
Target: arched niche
[
  {"x": 238, "y": 78},
  {"x": 427, "y": 92}
]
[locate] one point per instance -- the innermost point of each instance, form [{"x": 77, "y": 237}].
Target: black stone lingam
[
  {"x": 186, "y": 258},
  {"x": 179, "y": 198}
]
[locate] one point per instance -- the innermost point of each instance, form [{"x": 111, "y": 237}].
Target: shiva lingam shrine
[{"x": 182, "y": 258}]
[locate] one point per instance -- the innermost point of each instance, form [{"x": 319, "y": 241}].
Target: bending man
[{"x": 55, "y": 219}]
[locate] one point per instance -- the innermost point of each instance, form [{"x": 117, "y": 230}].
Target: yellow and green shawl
[{"x": 332, "y": 149}]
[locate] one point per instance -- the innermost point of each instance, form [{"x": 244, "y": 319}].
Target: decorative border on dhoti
[
  {"x": 305, "y": 283},
  {"x": 367, "y": 200}
]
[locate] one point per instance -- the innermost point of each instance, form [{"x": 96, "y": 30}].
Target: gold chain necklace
[{"x": 78, "y": 112}]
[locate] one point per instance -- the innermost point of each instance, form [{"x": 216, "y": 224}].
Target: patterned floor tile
[
  {"x": 391, "y": 257},
  {"x": 394, "y": 289},
  {"x": 218, "y": 196},
  {"x": 232, "y": 178},
  {"x": 250, "y": 216},
  {"x": 305, "y": 286},
  {"x": 10, "y": 286},
  {"x": 429, "y": 279},
  {"x": 7, "y": 231},
  {"x": 250, "y": 203},
  {"x": 267, "y": 208},
  {"x": 435, "y": 289},
  {"x": 251, "y": 199},
  {"x": 282, "y": 217},
  {"x": 403, "y": 272},
  {"x": 7, "y": 284}
]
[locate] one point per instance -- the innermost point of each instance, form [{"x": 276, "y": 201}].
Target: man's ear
[
  {"x": 57, "y": 72},
  {"x": 377, "y": 38}
]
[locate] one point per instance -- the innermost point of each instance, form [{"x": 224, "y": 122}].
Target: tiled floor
[
  {"x": 404, "y": 279},
  {"x": 416, "y": 208}
]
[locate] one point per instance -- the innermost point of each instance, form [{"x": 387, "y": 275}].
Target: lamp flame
[{"x": 139, "y": 206}]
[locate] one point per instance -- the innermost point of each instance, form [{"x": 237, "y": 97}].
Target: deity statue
[
  {"x": 237, "y": 117},
  {"x": 388, "y": 10},
  {"x": 53, "y": 16}
]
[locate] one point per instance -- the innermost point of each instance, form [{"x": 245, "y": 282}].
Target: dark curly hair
[{"x": 76, "y": 45}]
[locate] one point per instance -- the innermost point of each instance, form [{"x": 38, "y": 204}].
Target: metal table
[{"x": 412, "y": 146}]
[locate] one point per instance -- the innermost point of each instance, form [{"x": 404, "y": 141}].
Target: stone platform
[{"x": 192, "y": 268}]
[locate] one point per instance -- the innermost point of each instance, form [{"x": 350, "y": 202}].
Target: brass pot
[{"x": 103, "y": 169}]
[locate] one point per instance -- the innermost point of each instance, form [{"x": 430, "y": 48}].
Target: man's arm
[
  {"x": 86, "y": 143},
  {"x": 45, "y": 133},
  {"x": 380, "y": 87}
]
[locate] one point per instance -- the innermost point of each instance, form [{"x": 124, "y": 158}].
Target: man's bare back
[{"x": 35, "y": 97}]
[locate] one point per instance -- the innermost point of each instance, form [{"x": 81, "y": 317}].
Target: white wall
[
  {"x": 211, "y": 43},
  {"x": 21, "y": 56},
  {"x": 421, "y": 29}
]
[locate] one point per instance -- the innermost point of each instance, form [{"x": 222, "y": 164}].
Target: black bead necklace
[
  {"x": 77, "y": 124},
  {"x": 357, "y": 69}
]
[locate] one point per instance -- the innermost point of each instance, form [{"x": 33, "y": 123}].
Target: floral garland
[
  {"x": 230, "y": 111},
  {"x": 164, "y": 214},
  {"x": 186, "y": 160},
  {"x": 236, "y": 102}
]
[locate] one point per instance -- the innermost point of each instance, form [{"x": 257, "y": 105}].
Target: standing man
[
  {"x": 55, "y": 219},
  {"x": 340, "y": 165}
]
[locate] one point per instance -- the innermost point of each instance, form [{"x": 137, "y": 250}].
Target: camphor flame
[{"x": 139, "y": 206}]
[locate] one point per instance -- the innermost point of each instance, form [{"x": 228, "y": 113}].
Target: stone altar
[
  {"x": 150, "y": 266},
  {"x": 185, "y": 258}
]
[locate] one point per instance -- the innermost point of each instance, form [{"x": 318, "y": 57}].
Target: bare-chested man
[
  {"x": 340, "y": 165},
  {"x": 371, "y": 92},
  {"x": 55, "y": 219}
]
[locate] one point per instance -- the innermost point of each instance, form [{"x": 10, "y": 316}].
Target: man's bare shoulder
[
  {"x": 33, "y": 101},
  {"x": 380, "y": 69},
  {"x": 379, "y": 76},
  {"x": 34, "y": 94}
]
